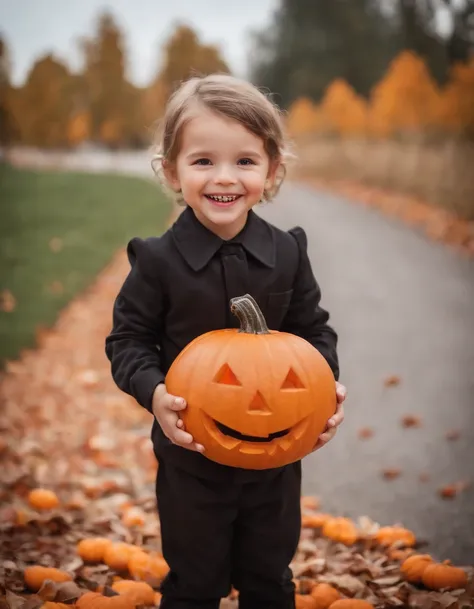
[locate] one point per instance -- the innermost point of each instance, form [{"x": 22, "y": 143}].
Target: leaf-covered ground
[{"x": 65, "y": 427}]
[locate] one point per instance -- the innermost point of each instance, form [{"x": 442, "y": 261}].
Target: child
[{"x": 222, "y": 151}]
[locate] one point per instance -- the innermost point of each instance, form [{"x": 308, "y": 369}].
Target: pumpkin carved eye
[
  {"x": 225, "y": 376},
  {"x": 292, "y": 381}
]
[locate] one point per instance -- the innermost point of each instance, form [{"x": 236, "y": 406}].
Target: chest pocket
[{"x": 277, "y": 306}]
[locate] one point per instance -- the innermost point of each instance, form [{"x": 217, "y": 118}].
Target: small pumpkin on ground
[
  {"x": 304, "y": 601},
  {"x": 35, "y": 575},
  {"x": 140, "y": 592},
  {"x": 142, "y": 565},
  {"x": 118, "y": 555},
  {"x": 43, "y": 499},
  {"x": 314, "y": 521},
  {"x": 324, "y": 595},
  {"x": 387, "y": 536},
  {"x": 341, "y": 530},
  {"x": 351, "y": 603},
  {"x": 92, "y": 549},
  {"x": 256, "y": 398},
  {"x": 437, "y": 576},
  {"x": 414, "y": 566},
  {"x": 94, "y": 600}
]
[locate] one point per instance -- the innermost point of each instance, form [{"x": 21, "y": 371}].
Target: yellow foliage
[
  {"x": 407, "y": 98},
  {"x": 456, "y": 109},
  {"x": 111, "y": 131},
  {"x": 344, "y": 110},
  {"x": 79, "y": 128},
  {"x": 303, "y": 117}
]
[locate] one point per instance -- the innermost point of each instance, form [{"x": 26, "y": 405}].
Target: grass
[{"x": 89, "y": 216}]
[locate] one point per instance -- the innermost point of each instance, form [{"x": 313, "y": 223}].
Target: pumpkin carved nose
[{"x": 258, "y": 405}]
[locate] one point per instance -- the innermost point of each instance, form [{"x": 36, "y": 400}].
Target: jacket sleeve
[
  {"x": 133, "y": 344},
  {"x": 305, "y": 316}
]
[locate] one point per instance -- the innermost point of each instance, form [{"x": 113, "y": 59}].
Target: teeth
[{"x": 223, "y": 199}]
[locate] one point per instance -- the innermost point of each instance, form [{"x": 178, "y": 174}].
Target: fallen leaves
[
  {"x": 452, "y": 490},
  {"x": 68, "y": 432},
  {"x": 7, "y": 301},
  {"x": 392, "y": 381},
  {"x": 410, "y": 420}
]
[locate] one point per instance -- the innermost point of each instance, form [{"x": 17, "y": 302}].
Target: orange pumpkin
[
  {"x": 351, "y": 603},
  {"x": 43, "y": 499},
  {"x": 92, "y": 549},
  {"x": 438, "y": 576},
  {"x": 414, "y": 566},
  {"x": 341, "y": 530},
  {"x": 257, "y": 398},
  {"x": 36, "y": 575},
  {"x": 304, "y": 601},
  {"x": 387, "y": 536},
  {"x": 140, "y": 593},
  {"x": 324, "y": 595}
]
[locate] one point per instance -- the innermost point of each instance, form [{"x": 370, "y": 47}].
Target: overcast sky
[{"x": 35, "y": 27}]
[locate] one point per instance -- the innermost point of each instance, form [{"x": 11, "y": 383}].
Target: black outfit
[{"x": 220, "y": 525}]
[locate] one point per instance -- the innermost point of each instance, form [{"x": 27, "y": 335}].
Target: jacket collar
[{"x": 198, "y": 245}]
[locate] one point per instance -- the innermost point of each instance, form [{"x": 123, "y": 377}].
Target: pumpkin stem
[{"x": 250, "y": 316}]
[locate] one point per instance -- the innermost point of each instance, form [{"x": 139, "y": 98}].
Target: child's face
[{"x": 222, "y": 170}]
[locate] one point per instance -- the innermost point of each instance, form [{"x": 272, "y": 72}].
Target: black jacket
[{"x": 180, "y": 286}]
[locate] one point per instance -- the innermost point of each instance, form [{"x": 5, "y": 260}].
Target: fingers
[
  {"x": 325, "y": 437},
  {"x": 173, "y": 426},
  {"x": 337, "y": 418},
  {"x": 175, "y": 403},
  {"x": 341, "y": 392}
]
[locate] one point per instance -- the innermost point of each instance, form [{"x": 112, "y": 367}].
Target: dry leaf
[
  {"x": 56, "y": 244},
  {"x": 392, "y": 381},
  {"x": 365, "y": 433},
  {"x": 391, "y": 473},
  {"x": 452, "y": 490},
  {"x": 453, "y": 434},
  {"x": 410, "y": 420},
  {"x": 7, "y": 301}
]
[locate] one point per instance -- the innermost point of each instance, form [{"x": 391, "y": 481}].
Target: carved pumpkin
[{"x": 257, "y": 398}]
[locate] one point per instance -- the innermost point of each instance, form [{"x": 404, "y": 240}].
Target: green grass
[{"x": 92, "y": 215}]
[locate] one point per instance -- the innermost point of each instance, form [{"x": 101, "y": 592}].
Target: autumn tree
[
  {"x": 406, "y": 99},
  {"x": 111, "y": 100},
  {"x": 7, "y": 125},
  {"x": 309, "y": 43},
  {"x": 44, "y": 104},
  {"x": 456, "y": 112},
  {"x": 344, "y": 111},
  {"x": 303, "y": 117},
  {"x": 185, "y": 55}
]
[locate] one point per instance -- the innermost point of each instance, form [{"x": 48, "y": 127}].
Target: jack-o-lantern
[{"x": 256, "y": 398}]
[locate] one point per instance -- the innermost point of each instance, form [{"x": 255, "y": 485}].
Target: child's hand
[
  {"x": 336, "y": 419},
  {"x": 165, "y": 408}
]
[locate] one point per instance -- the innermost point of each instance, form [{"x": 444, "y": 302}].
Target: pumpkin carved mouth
[
  {"x": 245, "y": 444},
  {"x": 228, "y": 431}
]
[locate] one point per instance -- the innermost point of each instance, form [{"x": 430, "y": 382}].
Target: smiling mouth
[
  {"x": 228, "y": 431},
  {"x": 223, "y": 198}
]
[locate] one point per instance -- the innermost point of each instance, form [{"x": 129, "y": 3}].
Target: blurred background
[
  {"x": 378, "y": 98},
  {"x": 377, "y": 90}
]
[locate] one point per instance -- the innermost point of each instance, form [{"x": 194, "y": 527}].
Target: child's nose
[{"x": 225, "y": 175}]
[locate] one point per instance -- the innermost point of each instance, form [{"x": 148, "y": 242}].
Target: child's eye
[
  {"x": 202, "y": 162},
  {"x": 246, "y": 161}
]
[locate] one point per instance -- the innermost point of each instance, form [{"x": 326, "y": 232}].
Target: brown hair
[{"x": 229, "y": 96}]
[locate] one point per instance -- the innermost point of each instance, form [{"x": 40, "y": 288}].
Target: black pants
[{"x": 242, "y": 532}]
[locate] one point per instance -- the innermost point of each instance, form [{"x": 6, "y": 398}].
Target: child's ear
[
  {"x": 171, "y": 175},
  {"x": 272, "y": 173}
]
